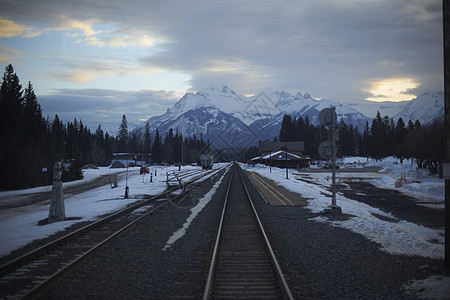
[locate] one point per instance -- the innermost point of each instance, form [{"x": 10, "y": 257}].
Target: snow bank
[
  {"x": 22, "y": 227},
  {"x": 434, "y": 287},
  {"x": 394, "y": 236}
]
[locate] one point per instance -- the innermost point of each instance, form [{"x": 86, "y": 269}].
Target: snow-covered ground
[
  {"x": 394, "y": 237},
  {"x": 402, "y": 237},
  {"x": 21, "y": 227},
  {"x": 429, "y": 189}
]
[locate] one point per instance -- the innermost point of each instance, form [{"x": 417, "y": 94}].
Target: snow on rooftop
[{"x": 280, "y": 154}]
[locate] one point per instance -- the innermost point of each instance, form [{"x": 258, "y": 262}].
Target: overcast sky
[{"x": 96, "y": 60}]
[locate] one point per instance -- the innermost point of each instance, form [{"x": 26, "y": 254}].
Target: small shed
[{"x": 123, "y": 158}]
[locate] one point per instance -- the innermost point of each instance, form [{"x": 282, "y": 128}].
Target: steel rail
[
  {"x": 78, "y": 261},
  {"x": 212, "y": 267},
  {"x": 50, "y": 281},
  {"x": 15, "y": 264},
  {"x": 7, "y": 267},
  {"x": 19, "y": 261},
  {"x": 214, "y": 171},
  {"x": 284, "y": 286},
  {"x": 214, "y": 260}
]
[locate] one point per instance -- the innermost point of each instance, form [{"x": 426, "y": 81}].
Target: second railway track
[{"x": 33, "y": 272}]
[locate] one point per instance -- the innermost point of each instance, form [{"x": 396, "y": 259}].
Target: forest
[
  {"x": 382, "y": 138},
  {"x": 30, "y": 143}
]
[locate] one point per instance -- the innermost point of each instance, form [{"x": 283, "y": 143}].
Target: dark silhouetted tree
[{"x": 122, "y": 136}]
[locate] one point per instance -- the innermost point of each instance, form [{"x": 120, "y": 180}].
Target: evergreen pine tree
[
  {"x": 147, "y": 140},
  {"x": 11, "y": 129},
  {"x": 399, "y": 140},
  {"x": 32, "y": 113},
  {"x": 365, "y": 140},
  {"x": 157, "y": 148},
  {"x": 285, "y": 130},
  {"x": 122, "y": 136}
]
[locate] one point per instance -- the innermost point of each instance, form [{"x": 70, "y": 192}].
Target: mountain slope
[
  {"x": 234, "y": 121},
  {"x": 425, "y": 108}
]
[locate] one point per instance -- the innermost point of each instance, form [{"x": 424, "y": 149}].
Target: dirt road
[{"x": 42, "y": 198}]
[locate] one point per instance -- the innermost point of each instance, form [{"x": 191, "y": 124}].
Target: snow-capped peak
[
  {"x": 216, "y": 109},
  {"x": 426, "y": 108}
]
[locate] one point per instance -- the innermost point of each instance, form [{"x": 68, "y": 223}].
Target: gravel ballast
[
  {"x": 325, "y": 262},
  {"x": 319, "y": 261},
  {"x": 135, "y": 266}
]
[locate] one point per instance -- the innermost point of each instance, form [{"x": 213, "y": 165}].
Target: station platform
[{"x": 275, "y": 194}]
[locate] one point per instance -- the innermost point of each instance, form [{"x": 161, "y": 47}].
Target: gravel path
[{"x": 41, "y": 198}]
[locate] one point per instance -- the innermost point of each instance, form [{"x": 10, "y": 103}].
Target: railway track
[
  {"x": 30, "y": 274},
  {"x": 175, "y": 178},
  {"x": 243, "y": 264}
]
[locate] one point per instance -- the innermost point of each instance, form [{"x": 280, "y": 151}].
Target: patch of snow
[
  {"x": 434, "y": 287},
  {"x": 19, "y": 226},
  {"x": 194, "y": 213},
  {"x": 394, "y": 237}
]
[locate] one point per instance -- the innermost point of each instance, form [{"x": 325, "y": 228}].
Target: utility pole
[
  {"x": 333, "y": 130},
  {"x": 446, "y": 15},
  {"x": 287, "y": 172},
  {"x": 270, "y": 156},
  {"x": 142, "y": 154},
  {"x": 328, "y": 149}
]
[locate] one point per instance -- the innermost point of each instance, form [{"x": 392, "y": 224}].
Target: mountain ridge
[
  {"x": 230, "y": 120},
  {"x": 259, "y": 117}
]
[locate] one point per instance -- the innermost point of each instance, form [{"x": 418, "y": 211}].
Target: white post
[
  {"x": 333, "y": 163},
  {"x": 334, "y": 138},
  {"x": 57, "y": 210}
]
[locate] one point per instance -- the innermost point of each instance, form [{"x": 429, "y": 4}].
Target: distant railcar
[{"x": 206, "y": 161}]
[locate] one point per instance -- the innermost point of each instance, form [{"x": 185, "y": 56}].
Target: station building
[{"x": 282, "y": 154}]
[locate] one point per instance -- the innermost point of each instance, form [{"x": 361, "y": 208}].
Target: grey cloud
[
  {"x": 328, "y": 48},
  {"x": 323, "y": 49},
  {"x": 96, "y": 104}
]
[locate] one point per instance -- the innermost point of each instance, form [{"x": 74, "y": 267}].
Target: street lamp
[{"x": 126, "y": 181}]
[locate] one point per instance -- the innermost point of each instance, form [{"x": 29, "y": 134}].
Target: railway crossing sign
[
  {"x": 326, "y": 150},
  {"x": 327, "y": 117}
]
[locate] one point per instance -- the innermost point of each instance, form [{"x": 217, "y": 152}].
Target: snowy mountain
[
  {"x": 426, "y": 108},
  {"x": 370, "y": 108},
  {"x": 235, "y": 121},
  {"x": 230, "y": 120}
]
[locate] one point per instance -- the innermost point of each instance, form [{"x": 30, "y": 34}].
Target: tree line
[
  {"x": 172, "y": 148},
  {"x": 381, "y": 139},
  {"x": 30, "y": 144},
  {"x": 424, "y": 143}
]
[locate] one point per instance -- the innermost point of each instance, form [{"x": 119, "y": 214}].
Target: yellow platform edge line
[
  {"x": 275, "y": 190},
  {"x": 272, "y": 190}
]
